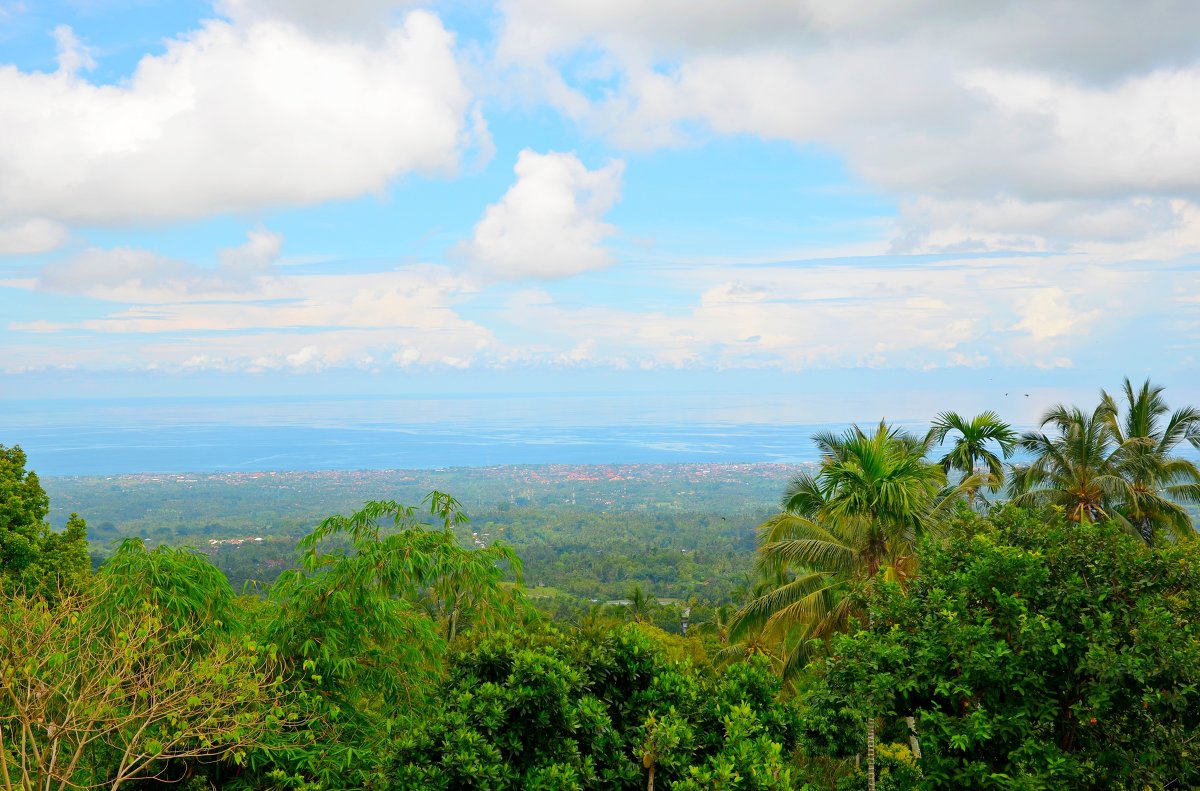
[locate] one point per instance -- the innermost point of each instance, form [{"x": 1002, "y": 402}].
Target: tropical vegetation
[
  {"x": 964, "y": 608},
  {"x": 1115, "y": 463}
]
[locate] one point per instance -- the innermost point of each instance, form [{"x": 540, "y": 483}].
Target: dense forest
[
  {"x": 683, "y": 534},
  {"x": 969, "y": 608}
]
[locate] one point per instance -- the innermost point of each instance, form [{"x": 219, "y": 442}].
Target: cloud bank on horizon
[{"x": 403, "y": 187}]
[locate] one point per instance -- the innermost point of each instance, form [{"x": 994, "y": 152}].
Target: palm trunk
[
  {"x": 650, "y": 782},
  {"x": 871, "y": 754}
]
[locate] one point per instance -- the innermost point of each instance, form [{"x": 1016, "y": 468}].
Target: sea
[{"x": 74, "y": 437}]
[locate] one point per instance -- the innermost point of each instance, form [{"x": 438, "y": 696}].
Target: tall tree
[
  {"x": 973, "y": 446},
  {"x": 860, "y": 514}
]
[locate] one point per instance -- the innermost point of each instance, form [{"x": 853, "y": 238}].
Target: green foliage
[
  {"x": 180, "y": 583},
  {"x": 748, "y": 759},
  {"x": 1034, "y": 653},
  {"x": 1029, "y": 649},
  {"x": 337, "y": 678},
  {"x": 96, "y": 693},
  {"x": 362, "y": 628},
  {"x": 1147, "y": 433},
  {"x": 34, "y": 558},
  {"x": 573, "y": 710}
]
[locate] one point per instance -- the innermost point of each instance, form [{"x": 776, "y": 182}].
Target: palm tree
[
  {"x": 639, "y": 606},
  {"x": 1159, "y": 480},
  {"x": 1104, "y": 466},
  {"x": 716, "y": 626},
  {"x": 858, "y": 517},
  {"x": 1074, "y": 468},
  {"x": 748, "y": 640},
  {"x": 973, "y": 446}
]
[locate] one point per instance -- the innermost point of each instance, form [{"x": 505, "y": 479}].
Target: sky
[{"x": 873, "y": 208}]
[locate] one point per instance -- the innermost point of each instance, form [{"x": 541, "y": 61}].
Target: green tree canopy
[
  {"x": 362, "y": 629},
  {"x": 604, "y": 710},
  {"x": 1035, "y": 653},
  {"x": 34, "y": 558}
]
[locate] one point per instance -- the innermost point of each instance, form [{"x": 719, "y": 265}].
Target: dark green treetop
[{"x": 33, "y": 557}]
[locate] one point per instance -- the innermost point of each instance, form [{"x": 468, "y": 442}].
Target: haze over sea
[{"x": 110, "y": 437}]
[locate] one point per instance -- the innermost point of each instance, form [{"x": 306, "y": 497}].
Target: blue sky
[{"x": 883, "y": 208}]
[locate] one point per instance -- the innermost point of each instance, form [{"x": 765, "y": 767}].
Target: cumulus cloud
[
  {"x": 550, "y": 222},
  {"x": 1112, "y": 39},
  {"x": 232, "y": 116},
  {"x": 1045, "y": 107}
]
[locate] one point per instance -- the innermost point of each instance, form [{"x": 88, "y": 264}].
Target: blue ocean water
[{"x": 216, "y": 435}]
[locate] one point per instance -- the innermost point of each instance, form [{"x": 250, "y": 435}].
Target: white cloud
[
  {"x": 417, "y": 298},
  {"x": 308, "y": 358},
  {"x": 311, "y": 352},
  {"x": 255, "y": 257},
  {"x": 733, "y": 293},
  {"x": 1043, "y": 311},
  {"x": 1073, "y": 108},
  {"x": 245, "y": 314},
  {"x": 549, "y": 224},
  {"x": 1132, "y": 227},
  {"x": 895, "y": 313},
  {"x": 35, "y": 235},
  {"x": 231, "y": 117},
  {"x": 1111, "y": 39},
  {"x": 1048, "y": 313},
  {"x": 73, "y": 56},
  {"x": 581, "y": 353},
  {"x": 133, "y": 275}
]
